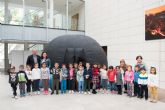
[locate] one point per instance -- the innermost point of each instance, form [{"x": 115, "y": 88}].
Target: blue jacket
[
  {"x": 136, "y": 76},
  {"x": 88, "y": 72}
]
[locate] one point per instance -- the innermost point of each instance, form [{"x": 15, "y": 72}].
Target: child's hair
[
  {"x": 117, "y": 67},
  {"x": 44, "y": 63},
  {"x": 142, "y": 69},
  {"x": 110, "y": 67},
  {"x": 35, "y": 64},
  {"x": 129, "y": 66},
  {"x": 21, "y": 67},
  {"x": 154, "y": 69},
  {"x": 137, "y": 66},
  {"x": 139, "y": 56}
]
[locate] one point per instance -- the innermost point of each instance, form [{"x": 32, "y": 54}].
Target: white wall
[
  {"x": 81, "y": 11},
  {"x": 120, "y": 25}
]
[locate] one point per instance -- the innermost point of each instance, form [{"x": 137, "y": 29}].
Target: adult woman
[
  {"x": 123, "y": 66},
  {"x": 44, "y": 58},
  {"x": 140, "y": 63}
]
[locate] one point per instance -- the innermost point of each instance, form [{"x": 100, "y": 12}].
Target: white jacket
[
  {"x": 36, "y": 73},
  {"x": 153, "y": 80}
]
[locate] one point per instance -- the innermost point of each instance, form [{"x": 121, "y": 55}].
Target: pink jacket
[{"x": 129, "y": 76}]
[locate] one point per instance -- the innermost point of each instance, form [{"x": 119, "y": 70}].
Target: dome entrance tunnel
[{"x": 75, "y": 48}]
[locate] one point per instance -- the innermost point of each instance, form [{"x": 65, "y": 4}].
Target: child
[
  {"x": 29, "y": 81},
  {"x": 56, "y": 71},
  {"x": 104, "y": 78},
  {"x": 45, "y": 76},
  {"x": 13, "y": 80},
  {"x": 80, "y": 79},
  {"x": 36, "y": 76},
  {"x": 153, "y": 84},
  {"x": 87, "y": 78},
  {"x": 136, "y": 85},
  {"x": 64, "y": 75},
  {"x": 119, "y": 80},
  {"x": 22, "y": 79},
  {"x": 71, "y": 79},
  {"x": 111, "y": 77},
  {"x": 95, "y": 77},
  {"x": 143, "y": 81},
  {"x": 129, "y": 77}
]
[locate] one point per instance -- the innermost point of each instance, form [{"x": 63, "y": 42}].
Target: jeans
[
  {"x": 63, "y": 86},
  {"x": 112, "y": 85},
  {"x": 35, "y": 85},
  {"x": 104, "y": 83},
  {"x": 81, "y": 86},
  {"x": 22, "y": 88}
]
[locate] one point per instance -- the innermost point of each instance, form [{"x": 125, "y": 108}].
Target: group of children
[{"x": 79, "y": 78}]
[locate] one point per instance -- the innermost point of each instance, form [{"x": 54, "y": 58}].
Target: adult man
[{"x": 32, "y": 59}]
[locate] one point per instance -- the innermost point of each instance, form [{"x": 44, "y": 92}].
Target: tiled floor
[{"x": 72, "y": 101}]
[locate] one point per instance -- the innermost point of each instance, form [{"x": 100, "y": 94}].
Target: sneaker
[
  {"x": 89, "y": 93},
  {"x": 70, "y": 92},
  {"x": 38, "y": 92},
  {"x": 79, "y": 92},
  {"x": 82, "y": 92},
  {"x": 50, "y": 90},
  {"x": 52, "y": 93},
  {"x": 16, "y": 97},
  {"x": 85, "y": 93}
]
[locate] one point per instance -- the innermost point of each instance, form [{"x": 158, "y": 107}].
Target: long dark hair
[{"x": 42, "y": 55}]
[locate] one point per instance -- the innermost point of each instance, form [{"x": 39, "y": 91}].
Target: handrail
[{"x": 40, "y": 27}]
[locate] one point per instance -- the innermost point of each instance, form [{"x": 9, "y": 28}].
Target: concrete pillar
[
  {"x": 6, "y": 59},
  {"x": 7, "y": 12},
  {"x": 51, "y": 13},
  {"x": 26, "y": 46}
]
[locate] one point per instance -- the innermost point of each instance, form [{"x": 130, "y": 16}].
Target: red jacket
[
  {"x": 95, "y": 71},
  {"x": 111, "y": 75}
]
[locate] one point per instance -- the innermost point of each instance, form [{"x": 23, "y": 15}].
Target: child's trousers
[
  {"x": 129, "y": 88},
  {"x": 153, "y": 93},
  {"x": 28, "y": 84},
  {"x": 87, "y": 83},
  {"x": 71, "y": 84},
  {"x": 35, "y": 85},
  {"x": 81, "y": 86},
  {"x": 22, "y": 88},
  {"x": 144, "y": 90},
  {"x": 119, "y": 89},
  {"x": 14, "y": 87},
  {"x": 45, "y": 84},
  {"x": 136, "y": 89},
  {"x": 55, "y": 85},
  {"x": 63, "y": 86},
  {"x": 112, "y": 85}
]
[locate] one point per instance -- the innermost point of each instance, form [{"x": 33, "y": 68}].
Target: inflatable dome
[{"x": 75, "y": 48}]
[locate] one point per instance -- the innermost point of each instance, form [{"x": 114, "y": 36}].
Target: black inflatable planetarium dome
[{"x": 75, "y": 48}]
